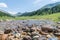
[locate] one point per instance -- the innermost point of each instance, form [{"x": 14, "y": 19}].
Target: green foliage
[{"x": 5, "y": 14}]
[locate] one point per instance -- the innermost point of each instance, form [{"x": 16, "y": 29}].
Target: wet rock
[
  {"x": 7, "y": 31},
  {"x": 27, "y": 38},
  {"x": 53, "y": 38},
  {"x": 17, "y": 35},
  {"x": 4, "y": 36},
  {"x": 35, "y": 38},
  {"x": 22, "y": 36},
  {"x": 58, "y": 27},
  {"x": 29, "y": 34},
  {"x": 42, "y": 32},
  {"x": 57, "y": 34},
  {"x": 32, "y": 35},
  {"x": 58, "y": 22},
  {"x": 23, "y": 33},
  {"x": 1, "y": 32},
  {"x": 47, "y": 28},
  {"x": 49, "y": 36},
  {"x": 28, "y": 30},
  {"x": 57, "y": 30},
  {"x": 33, "y": 29},
  {"x": 16, "y": 39},
  {"x": 10, "y": 38},
  {"x": 42, "y": 38}
]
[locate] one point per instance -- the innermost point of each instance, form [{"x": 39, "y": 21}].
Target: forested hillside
[
  {"x": 48, "y": 9},
  {"x": 3, "y": 13}
]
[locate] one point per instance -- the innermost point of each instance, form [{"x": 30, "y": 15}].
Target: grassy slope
[{"x": 54, "y": 17}]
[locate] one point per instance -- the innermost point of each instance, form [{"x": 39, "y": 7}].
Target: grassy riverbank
[{"x": 55, "y": 17}]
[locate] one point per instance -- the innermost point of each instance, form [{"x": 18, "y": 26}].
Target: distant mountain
[
  {"x": 18, "y": 14},
  {"x": 4, "y": 13},
  {"x": 47, "y": 9},
  {"x": 52, "y": 5}
]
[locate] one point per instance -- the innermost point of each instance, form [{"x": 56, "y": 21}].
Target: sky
[{"x": 14, "y": 6}]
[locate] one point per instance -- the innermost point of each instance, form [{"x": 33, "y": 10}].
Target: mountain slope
[
  {"x": 3, "y": 13},
  {"x": 48, "y": 9},
  {"x": 51, "y": 5}
]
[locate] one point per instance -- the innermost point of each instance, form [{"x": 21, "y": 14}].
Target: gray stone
[{"x": 57, "y": 34}]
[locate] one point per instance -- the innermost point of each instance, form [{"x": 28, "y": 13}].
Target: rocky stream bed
[{"x": 29, "y": 30}]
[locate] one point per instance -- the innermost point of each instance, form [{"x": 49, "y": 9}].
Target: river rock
[
  {"x": 28, "y": 30},
  {"x": 58, "y": 22},
  {"x": 7, "y": 31},
  {"x": 4, "y": 36},
  {"x": 58, "y": 27},
  {"x": 49, "y": 36},
  {"x": 27, "y": 38},
  {"x": 1, "y": 32},
  {"x": 17, "y": 35},
  {"x": 35, "y": 37},
  {"x": 47, "y": 28},
  {"x": 57, "y": 34}
]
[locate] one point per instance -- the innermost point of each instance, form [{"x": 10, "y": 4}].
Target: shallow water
[{"x": 14, "y": 24}]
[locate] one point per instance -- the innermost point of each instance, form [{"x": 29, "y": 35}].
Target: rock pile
[{"x": 30, "y": 32}]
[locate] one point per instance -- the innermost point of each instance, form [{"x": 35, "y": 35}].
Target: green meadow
[{"x": 54, "y": 17}]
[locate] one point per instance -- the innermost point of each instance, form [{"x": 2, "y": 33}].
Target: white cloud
[
  {"x": 37, "y": 1},
  {"x": 11, "y": 12},
  {"x": 3, "y": 5},
  {"x": 55, "y": 0},
  {"x": 40, "y": 1}
]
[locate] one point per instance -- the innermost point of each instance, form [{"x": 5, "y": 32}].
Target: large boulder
[
  {"x": 7, "y": 31},
  {"x": 47, "y": 28}
]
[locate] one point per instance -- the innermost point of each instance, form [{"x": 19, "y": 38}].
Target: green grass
[
  {"x": 5, "y": 17},
  {"x": 55, "y": 17}
]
